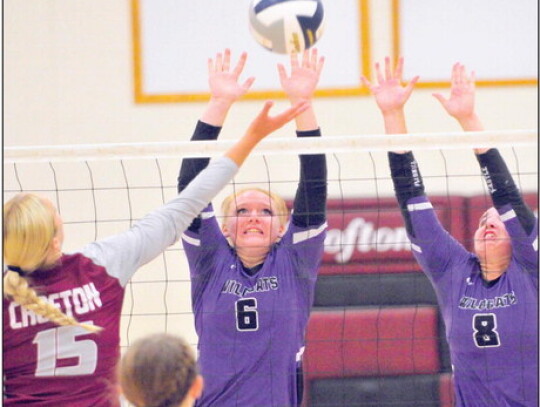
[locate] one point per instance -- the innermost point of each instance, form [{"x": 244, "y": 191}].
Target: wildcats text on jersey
[
  {"x": 78, "y": 301},
  {"x": 488, "y": 303},
  {"x": 263, "y": 284}
]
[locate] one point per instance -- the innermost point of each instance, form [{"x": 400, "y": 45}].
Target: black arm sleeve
[
  {"x": 191, "y": 167},
  {"x": 310, "y": 199},
  {"x": 407, "y": 181},
  {"x": 502, "y": 188}
]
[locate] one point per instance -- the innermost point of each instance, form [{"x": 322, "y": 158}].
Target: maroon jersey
[
  {"x": 42, "y": 359},
  {"x": 48, "y": 365}
]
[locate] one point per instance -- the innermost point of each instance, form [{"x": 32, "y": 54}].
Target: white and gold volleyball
[{"x": 286, "y": 26}]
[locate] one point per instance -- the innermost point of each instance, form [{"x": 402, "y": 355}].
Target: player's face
[
  {"x": 252, "y": 222},
  {"x": 491, "y": 237}
]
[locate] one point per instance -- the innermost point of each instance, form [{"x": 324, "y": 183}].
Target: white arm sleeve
[{"x": 123, "y": 254}]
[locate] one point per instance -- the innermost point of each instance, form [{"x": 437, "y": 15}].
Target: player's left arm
[
  {"x": 519, "y": 219},
  {"x": 517, "y": 216},
  {"x": 225, "y": 90},
  {"x": 299, "y": 85},
  {"x": 309, "y": 208}
]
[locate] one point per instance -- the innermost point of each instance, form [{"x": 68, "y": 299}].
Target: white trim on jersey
[
  {"x": 300, "y": 353},
  {"x": 207, "y": 215},
  {"x": 299, "y": 237},
  {"x": 416, "y": 248},
  {"x": 191, "y": 240},
  {"x": 419, "y": 206},
  {"x": 535, "y": 244},
  {"x": 508, "y": 215}
]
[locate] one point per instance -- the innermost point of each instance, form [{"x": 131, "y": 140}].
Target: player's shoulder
[{"x": 295, "y": 234}]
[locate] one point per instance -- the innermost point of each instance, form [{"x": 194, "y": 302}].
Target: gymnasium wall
[{"x": 68, "y": 69}]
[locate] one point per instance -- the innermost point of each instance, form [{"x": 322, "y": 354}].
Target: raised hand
[
  {"x": 223, "y": 82},
  {"x": 303, "y": 79},
  {"x": 460, "y": 104},
  {"x": 389, "y": 93},
  {"x": 224, "y": 87}
]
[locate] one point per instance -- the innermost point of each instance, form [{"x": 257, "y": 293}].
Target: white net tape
[{"x": 336, "y": 144}]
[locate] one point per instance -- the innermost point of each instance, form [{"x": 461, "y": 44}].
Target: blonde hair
[
  {"x": 158, "y": 370},
  {"x": 279, "y": 205},
  {"x": 29, "y": 229}
]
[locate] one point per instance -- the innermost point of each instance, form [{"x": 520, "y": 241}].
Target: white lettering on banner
[
  {"x": 362, "y": 235},
  {"x": 79, "y": 300}
]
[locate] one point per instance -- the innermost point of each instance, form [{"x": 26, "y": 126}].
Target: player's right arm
[
  {"x": 309, "y": 211},
  {"x": 224, "y": 91},
  {"x": 519, "y": 219},
  {"x": 433, "y": 247}
]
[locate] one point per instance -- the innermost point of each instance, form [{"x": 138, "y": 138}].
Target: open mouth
[
  {"x": 490, "y": 235},
  {"x": 253, "y": 231}
]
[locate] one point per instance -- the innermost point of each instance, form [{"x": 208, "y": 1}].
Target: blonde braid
[{"x": 18, "y": 289}]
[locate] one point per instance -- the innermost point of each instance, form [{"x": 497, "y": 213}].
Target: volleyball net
[{"x": 368, "y": 278}]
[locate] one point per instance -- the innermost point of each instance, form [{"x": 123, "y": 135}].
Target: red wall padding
[
  {"x": 368, "y": 235},
  {"x": 371, "y": 342},
  {"x": 446, "y": 390}
]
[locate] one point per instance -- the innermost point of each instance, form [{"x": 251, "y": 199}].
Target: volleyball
[{"x": 286, "y": 26}]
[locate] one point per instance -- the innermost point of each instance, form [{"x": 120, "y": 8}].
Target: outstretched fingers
[
  {"x": 320, "y": 65},
  {"x": 219, "y": 62},
  {"x": 240, "y": 64},
  {"x": 282, "y": 72},
  {"x": 442, "y": 100},
  {"x": 266, "y": 108},
  {"x": 306, "y": 59},
  {"x": 294, "y": 60},
  {"x": 472, "y": 79},
  {"x": 410, "y": 86},
  {"x": 226, "y": 60},
  {"x": 387, "y": 69},
  {"x": 367, "y": 83},
  {"x": 287, "y": 115},
  {"x": 399, "y": 69},
  {"x": 378, "y": 71},
  {"x": 456, "y": 73},
  {"x": 248, "y": 82}
]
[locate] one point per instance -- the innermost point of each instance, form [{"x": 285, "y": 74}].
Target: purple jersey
[
  {"x": 46, "y": 365},
  {"x": 492, "y": 329},
  {"x": 251, "y": 328}
]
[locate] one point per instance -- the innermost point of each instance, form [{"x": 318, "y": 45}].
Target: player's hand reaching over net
[{"x": 261, "y": 127}]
